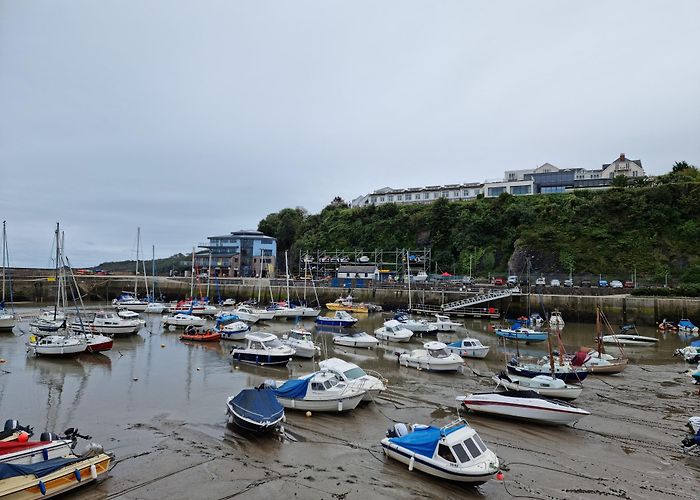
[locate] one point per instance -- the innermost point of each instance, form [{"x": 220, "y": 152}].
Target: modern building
[
  {"x": 361, "y": 272},
  {"x": 239, "y": 254},
  {"x": 544, "y": 179}
]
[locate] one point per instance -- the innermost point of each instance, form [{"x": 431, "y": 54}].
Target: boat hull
[
  {"x": 349, "y": 342},
  {"x": 7, "y": 322},
  {"x": 424, "y": 465},
  {"x": 569, "y": 392},
  {"x": 433, "y": 367},
  {"x": 630, "y": 340},
  {"x": 575, "y": 377},
  {"x": 44, "y": 451},
  {"x": 261, "y": 360},
  {"x": 99, "y": 343},
  {"x": 525, "y": 411},
  {"x": 609, "y": 369},
  {"x": 335, "y": 405},
  {"x": 335, "y": 322},
  {"x": 209, "y": 337},
  {"x": 470, "y": 352},
  {"x": 522, "y": 337}
]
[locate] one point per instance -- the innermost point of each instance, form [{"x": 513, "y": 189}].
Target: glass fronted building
[{"x": 240, "y": 254}]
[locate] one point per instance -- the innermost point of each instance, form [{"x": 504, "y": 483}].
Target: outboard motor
[
  {"x": 49, "y": 436},
  {"x": 398, "y": 430},
  {"x": 11, "y": 425}
]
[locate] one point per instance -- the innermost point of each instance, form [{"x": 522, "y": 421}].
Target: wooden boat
[
  {"x": 598, "y": 361},
  {"x": 454, "y": 452},
  {"x": 51, "y": 477},
  {"x": 256, "y": 410},
  {"x": 201, "y": 336}
]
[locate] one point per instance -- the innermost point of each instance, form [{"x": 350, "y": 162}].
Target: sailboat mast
[
  {"x": 4, "y": 258},
  {"x": 408, "y": 267},
  {"x": 286, "y": 270},
  {"x": 136, "y": 273},
  {"x": 209, "y": 274},
  {"x": 192, "y": 277},
  {"x": 56, "y": 277},
  {"x": 551, "y": 355},
  {"x": 599, "y": 339},
  {"x": 153, "y": 271}
]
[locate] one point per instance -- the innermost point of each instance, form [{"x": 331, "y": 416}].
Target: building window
[
  {"x": 381, "y": 199},
  {"x": 466, "y": 193},
  {"x": 374, "y": 199},
  {"x": 391, "y": 197},
  {"x": 456, "y": 194},
  {"x": 426, "y": 195},
  {"x": 408, "y": 196},
  {"x": 445, "y": 194},
  {"x": 511, "y": 176},
  {"x": 520, "y": 190},
  {"x": 634, "y": 173},
  {"x": 552, "y": 189},
  {"x": 495, "y": 191},
  {"x": 399, "y": 197},
  {"x": 435, "y": 195}
]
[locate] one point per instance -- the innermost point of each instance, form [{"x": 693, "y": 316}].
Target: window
[
  {"x": 552, "y": 189},
  {"x": 435, "y": 195},
  {"x": 479, "y": 442},
  {"x": 458, "y": 450},
  {"x": 374, "y": 199},
  {"x": 634, "y": 173},
  {"x": 391, "y": 197},
  {"x": 399, "y": 197},
  {"x": 426, "y": 195},
  {"x": 317, "y": 387},
  {"x": 445, "y": 194},
  {"x": 465, "y": 193},
  {"x": 381, "y": 199},
  {"x": 408, "y": 196},
  {"x": 456, "y": 194},
  {"x": 473, "y": 450},
  {"x": 495, "y": 191},
  {"x": 512, "y": 176},
  {"x": 520, "y": 190},
  {"x": 444, "y": 452}
]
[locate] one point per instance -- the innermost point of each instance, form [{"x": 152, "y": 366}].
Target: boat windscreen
[{"x": 354, "y": 373}]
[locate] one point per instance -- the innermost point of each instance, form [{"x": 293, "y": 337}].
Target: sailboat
[
  {"x": 51, "y": 320},
  {"x": 599, "y": 361},
  {"x": 153, "y": 306},
  {"x": 128, "y": 300},
  {"x": 7, "y": 319}
]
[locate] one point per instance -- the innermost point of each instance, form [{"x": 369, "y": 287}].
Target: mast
[
  {"x": 260, "y": 280},
  {"x": 192, "y": 277},
  {"x": 551, "y": 356},
  {"x": 4, "y": 258},
  {"x": 408, "y": 266},
  {"x": 209, "y": 274},
  {"x": 598, "y": 332},
  {"x": 153, "y": 271},
  {"x": 56, "y": 277},
  {"x": 286, "y": 270},
  {"x": 136, "y": 274}
]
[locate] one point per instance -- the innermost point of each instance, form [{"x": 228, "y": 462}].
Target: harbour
[{"x": 158, "y": 403}]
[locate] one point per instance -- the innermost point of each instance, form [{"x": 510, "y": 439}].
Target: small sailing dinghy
[
  {"x": 524, "y": 405},
  {"x": 263, "y": 349},
  {"x": 454, "y": 452},
  {"x": 256, "y": 410},
  {"x": 545, "y": 385},
  {"x": 469, "y": 348},
  {"x": 356, "y": 339},
  {"x": 197, "y": 335},
  {"x": 433, "y": 357},
  {"x": 321, "y": 391},
  {"x": 393, "y": 331}
]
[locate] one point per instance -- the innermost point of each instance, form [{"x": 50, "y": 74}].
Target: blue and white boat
[
  {"x": 454, "y": 452},
  {"x": 685, "y": 325},
  {"x": 340, "y": 318},
  {"x": 256, "y": 410},
  {"x": 522, "y": 334},
  {"x": 320, "y": 391},
  {"x": 263, "y": 349},
  {"x": 565, "y": 372},
  {"x": 233, "y": 331},
  {"x": 469, "y": 348}
]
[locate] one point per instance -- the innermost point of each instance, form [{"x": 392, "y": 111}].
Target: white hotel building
[{"x": 541, "y": 180}]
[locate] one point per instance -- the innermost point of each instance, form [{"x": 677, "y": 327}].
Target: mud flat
[{"x": 159, "y": 404}]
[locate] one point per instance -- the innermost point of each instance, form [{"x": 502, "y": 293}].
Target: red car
[
  {"x": 499, "y": 281},
  {"x": 628, "y": 284}
]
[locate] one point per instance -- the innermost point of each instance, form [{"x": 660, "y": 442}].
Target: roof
[
  {"x": 337, "y": 364},
  {"x": 357, "y": 269},
  {"x": 423, "y": 441},
  {"x": 391, "y": 323},
  {"x": 432, "y": 346},
  {"x": 260, "y": 336}
]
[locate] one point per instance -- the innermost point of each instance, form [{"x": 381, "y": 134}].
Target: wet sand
[{"x": 159, "y": 405}]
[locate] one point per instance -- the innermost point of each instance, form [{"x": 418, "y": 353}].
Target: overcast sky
[{"x": 196, "y": 118}]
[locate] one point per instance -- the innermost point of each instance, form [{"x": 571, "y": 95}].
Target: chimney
[{"x": 622, "y": 156}]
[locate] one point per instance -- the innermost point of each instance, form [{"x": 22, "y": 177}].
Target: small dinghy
[
  {"x": 340, "y": 318},
  {"x": 154, "y": 308},
  {"x": 224, "y": 318},
  {"x": 263, "y": 349},
  {"x": 126, "y": 313},
  {"x": 234, "y": 331},
  {"x": 182, "y": 319},
  {"x": 469, "y": 348},
  {"x": 667, "y": 326},
  {"x": 691, "y": 443},
  {"x": 685, "y": 325},
  {"x": 301, "y": 341},
  {"x": 371, "y": 382},
  {"x": 320, "y": 391},
  {"x": 393, "y": 331},
  {"x": 629, "y": 335},
  {"x": 433, "y": 357},
  {"x": 255, "y": 410},
  {"x": 545, "y": 385},
  {"x": 49, "y": 446},
  {"x": 691, "y": 353},
  {"x": 443, "y": 323},
  {"x": 454, "y": 452},
  {"x": 356, "y": 339},
  {"x": 524, "y": 405},
  {"x": 555, "y": 319},
  {"x": 197, "y": 335},
  {"x": 599, "y": 363}
]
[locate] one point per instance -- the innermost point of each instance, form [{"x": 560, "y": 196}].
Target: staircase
[{"x": 477, "y": 299}]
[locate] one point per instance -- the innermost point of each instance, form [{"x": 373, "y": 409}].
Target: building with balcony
[
  {"x": 239, "y": 254},
  {"x": 427, "y": 194}
]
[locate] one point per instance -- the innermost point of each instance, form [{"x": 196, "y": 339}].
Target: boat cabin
[{"x": 437, "y": 350}]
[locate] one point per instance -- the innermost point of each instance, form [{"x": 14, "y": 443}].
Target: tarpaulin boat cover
[
  {"x": 457, "y": 343},
  {"x": 13, "y": 446},
  {"x": 686, "y": 324},
  {"x": 38, "y": 469},
  {"x": 259, "y": 405},
  {"x": 423, "y": 441},
  {"x": 695, "y": 343},
  {"x": 293, "y": 389},
  {"x": 516, "y": 325}
]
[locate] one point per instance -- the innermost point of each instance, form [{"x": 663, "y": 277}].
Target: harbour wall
[{"x": 575, "y": 306}]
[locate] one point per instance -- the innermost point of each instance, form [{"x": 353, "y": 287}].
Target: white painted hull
[
  {"x": 55, "y": 449},
  {"x": 173, "y": 321},
  {"x": 132, "y": 306},
  {"x": 250, "y": 318},
  {"x": 536, "y": 410},
  {"x": 154, "y": 308},
  {"x": 526, "y": 384},
  {"x": 129, "y": 329},
  {"x": 366, "y": 343},
  {"x": 630, "y": 340},
  {"x": 7, "y": 322},
  {"x": 58, "y": 349},
  {"x": 470, "y": 352},
  {"x": 326, "y": 405},
  {"x": 433, "y": 365}
]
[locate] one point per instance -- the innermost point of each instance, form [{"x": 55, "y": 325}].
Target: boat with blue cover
[
  {"x": 522, "y": 334},
  {"x": 685, "y": 325},
  {"x": 340, "y": 318},
  {"x": 256, "y": 410},
  {"x": 322, "y": 391},
  {"x": 454, "y": 452}
]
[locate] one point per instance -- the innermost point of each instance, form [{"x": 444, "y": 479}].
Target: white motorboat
[
  {"x": 415, "y": 325},
  {"x": 443, "y": 323},
  {"x": 107, "y": 323},
  {"x": 321, "y": 391},
  {"x": 263, "y": 349},
  {"x": 181, "y": 319},
  {"x": 420, "y": 277},
  {"x": 393, "y": 331},
  {"x": 454, "y": 452},
  {"x": 301, "y": 341},
  {"x": 56, "y": 345},
  {"x": 469, "y": 348},
  {"x": 126, "y": 314},
  {"x": 630, "y": 339},
  {"x": 246, "y": 314},
  {"x": 555, "y": 319},
  {"x": 356, "y": 339},
  {"x": 433, "y": 357},
  {"x": 129, "y": 301},
  {"x": 229, "y": 303},
  {"x": 195, "y": 307},
  {"x": 155, "y": 308},
  {"x": 524, "y": 405},
  {"x": 234, "y": 331},
  {"x": 282, "y": 311},
  {"x": 31, "y": 452},
  {"x": 371, "y": 382},
  {"x": 544, "y": 385},
  {"x": 307, "y": 312}
]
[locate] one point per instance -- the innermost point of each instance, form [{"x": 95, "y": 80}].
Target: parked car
[
  {"x": 541, "y": 281},
  {"x": 569, "y": 283},
  {"x": 585, "y": 283},
  {"x": 512, "y": 280},
  {"x": 603, "y": 283},
  {"x": 616, "y": 284},
  {"x": 466, "y": 280},
  {"x": 499, "y": 281},
  {"x": 555, "y": 282},
  {"x": 628, "y": 284}
]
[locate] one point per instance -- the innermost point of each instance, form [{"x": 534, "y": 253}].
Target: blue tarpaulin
[
  {"x": 456, "y": 343},
  {"x": 293, "y": 389},
  {"x": 423, "y": 441},
  {"x": 259, "y": 405},
  {"x": 685, "y": 323},
  {"x": 695, "y": 343},
  {"x": 38, "y": 469}
]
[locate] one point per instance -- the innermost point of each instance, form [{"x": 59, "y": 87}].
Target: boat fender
[
  {"x": 77, "y": 475},
  {"x": 340, "y": 406},
  {"x": 410, "y": 462},
  {"x": 45, "y": 453},
  {"x": 42, "y": 487},
  {"x": 93, "y": 471}
]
